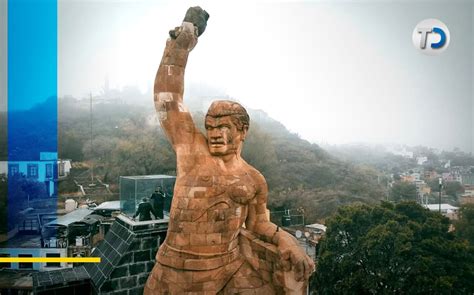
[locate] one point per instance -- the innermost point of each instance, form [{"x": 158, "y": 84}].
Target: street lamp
[{"x": 440, "y": 186}]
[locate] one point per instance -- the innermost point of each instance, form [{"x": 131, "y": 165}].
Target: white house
[
  {"x": 44, "y": 170},
  {"x": 421, "y": 160},
  {"x": 64, "y": 167}
]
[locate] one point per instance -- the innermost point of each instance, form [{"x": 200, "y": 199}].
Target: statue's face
[{"x": 223, "y": 137}]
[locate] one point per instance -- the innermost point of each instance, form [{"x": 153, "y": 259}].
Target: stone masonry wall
[{"x": 128, "y": 256}]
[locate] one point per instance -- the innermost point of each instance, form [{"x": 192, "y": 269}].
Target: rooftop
[
  {"x": 435, "y": 207},
  {"x": 60, "y": 277},
  {"x": 71, "y": 217},
  {"x": 317, "y": 226},
  {"x": 22, "y": 241},
  {"x": 111, "y": 205},
  {"x": 12, "y": 279}
]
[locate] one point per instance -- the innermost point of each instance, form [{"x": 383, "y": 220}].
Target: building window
[
  {"x": 5, "y": 264},
  {"x": 32, "y": 170},
  {"x": 13, "y": 169},
  {"x": 25, "y": 265},
  {"x": 29, "y": 224},
  {"x": 49, "y": 170},
  {"x": 53, "y": 264}
]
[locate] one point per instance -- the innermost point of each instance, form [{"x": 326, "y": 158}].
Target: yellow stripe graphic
[{"x": 51, "y": 259}]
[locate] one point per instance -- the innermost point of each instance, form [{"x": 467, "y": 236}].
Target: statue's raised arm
[{"x": 169, "y": 82}]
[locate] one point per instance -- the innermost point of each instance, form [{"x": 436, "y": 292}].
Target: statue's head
[{"x": 227, "y": 123}]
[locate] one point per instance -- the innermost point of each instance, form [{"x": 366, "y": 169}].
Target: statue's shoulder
[{"x": 255, "y": 174}]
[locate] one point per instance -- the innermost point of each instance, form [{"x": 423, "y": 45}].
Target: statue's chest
[{"x": 212, "y": 198}]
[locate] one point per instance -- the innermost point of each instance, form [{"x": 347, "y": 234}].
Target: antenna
[{"x": 92, "y": 162}]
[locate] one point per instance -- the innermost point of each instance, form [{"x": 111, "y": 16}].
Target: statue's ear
[{"x": 244, "y": 132}]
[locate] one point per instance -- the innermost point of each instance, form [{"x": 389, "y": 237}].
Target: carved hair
[{"x": 235, "y": 110}]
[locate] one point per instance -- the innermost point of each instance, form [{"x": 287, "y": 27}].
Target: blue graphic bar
[{"x": 32, "y": 112}]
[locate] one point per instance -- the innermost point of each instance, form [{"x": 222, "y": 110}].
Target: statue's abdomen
[{"x": 207, "y": 213}]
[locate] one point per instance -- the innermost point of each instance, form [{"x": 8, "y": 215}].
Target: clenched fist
[{"x": 194, "y": 24}]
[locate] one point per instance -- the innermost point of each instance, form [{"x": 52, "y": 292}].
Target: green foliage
[
  {"x": 392, "y": 249},
  {"x": 70, "y": 145},
  {"x": 434, "y": 185},
  {"x": 259, "y": 149},
  {"x": 465, "y": 224},
  {"x": 403, "y": 191},
  {"x": 452, "y": 188}
]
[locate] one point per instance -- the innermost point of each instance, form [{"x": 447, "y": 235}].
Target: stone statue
[{"x": 216, "y": 194}]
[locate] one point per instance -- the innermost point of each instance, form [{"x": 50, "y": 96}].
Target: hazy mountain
[{"x": 127, "y": 140}]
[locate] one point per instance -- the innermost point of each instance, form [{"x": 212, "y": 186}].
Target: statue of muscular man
[{"x": 216, "y": 191}]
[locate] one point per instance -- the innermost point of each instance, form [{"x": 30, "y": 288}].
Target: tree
[
  {"x": 70, "y": 145},
  {"x": 401, "y": 249},
  {"x": 259, "y": 151},
  {"x": 434, "y": 185},
  {"x": 465, "y": 224},
  {"x": 403, "y": 191},
  {"x": 21, "y": 190},
  {"x": 452, "y": 188}
]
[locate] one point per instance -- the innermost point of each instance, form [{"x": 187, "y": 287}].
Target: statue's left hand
[{"x": 294, "y": 258}]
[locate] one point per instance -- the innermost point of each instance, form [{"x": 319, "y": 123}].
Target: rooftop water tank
[{"x": 70, "y": 205}]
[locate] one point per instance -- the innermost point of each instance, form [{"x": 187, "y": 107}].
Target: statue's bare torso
[{"x": 210, "y": 204}]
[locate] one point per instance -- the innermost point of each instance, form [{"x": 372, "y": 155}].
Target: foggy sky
[{"x": 332, "y": 72}]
